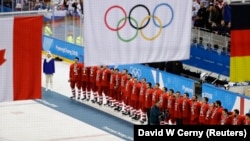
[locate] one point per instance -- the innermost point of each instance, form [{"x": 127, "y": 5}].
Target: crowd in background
[
  {"x": 26, "y": 5},
  {"x": 214, "y": 15},
  {"x": 71, "y": 6}
]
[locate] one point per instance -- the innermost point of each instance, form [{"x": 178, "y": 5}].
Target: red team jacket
[
  {"x": 112, "y": 81},
  {"x": 246, "y": 122},
  {"x": 105, "y": 77},
  {"x": 128, "y": 88},
  {"x": 98, "y": 79},
  {"x": 165, "y": 100},
  {"x": 156, "y": 95},
  {"x": 135, "y": 91},
  {"x": 92, "y": 76},
  {"x": 148, "y": 98},
  {"x": 142, "y": 92},
  {"x": 203, "y": 111},
  {"x": 75, "y": 72},
  {"x": 85, "y": 74},
  {"x": 195, "y": 111},
  {"x": 239, "y": 120},
  {"x": 178, "y": 107},
  {"x": 226, "y": 120},
  {"x": 124, "y": 79},
  {"x": 216, "y": 116}
]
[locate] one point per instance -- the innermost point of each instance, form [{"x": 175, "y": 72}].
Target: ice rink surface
[
  {"x": 56, "y": 117},
  {"x": 32, "y": 121}
]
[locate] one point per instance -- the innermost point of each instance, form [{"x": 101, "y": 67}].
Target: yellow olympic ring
[{"x": 158, "y": 33}]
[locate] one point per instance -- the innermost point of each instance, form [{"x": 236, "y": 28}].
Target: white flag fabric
[
  {"x": 20, "y": 58},
  {"x": 136, "y": 31}
]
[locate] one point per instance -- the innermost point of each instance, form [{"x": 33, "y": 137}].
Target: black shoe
[
  {"x": 100, "y": 103},
  {"x": 87, "y": 99},
  {"x": 110, "y": 104},
  {"x": 73, "y": 97},
  {"x": 94, "y": 100},
  {"x": 134, "y": 117},
  {"x": 83, "y": 98},
  {"x": 137, "y": 117},
  {"x": 125, "y": 113},
  {"x": 142, "y": 121},
  {"x": 120, "y": 108},
  {"x": 116, "y": 108},
  {"x": 131, "y": 114},
  {"x": 78, "y": 97}
]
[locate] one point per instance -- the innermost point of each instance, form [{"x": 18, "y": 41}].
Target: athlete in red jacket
[
  {"x": 92, "y": 81},
  {"x": 104, "y": 89},
  {"x": 126, "y": 95},
  {"x": 195, "y": 110},
  {"x": 141, "y": 98},
  {"x": 226, "y": 118},
  {"x": 203, "y": 110},
  {"x": 75, "y": 77},
  {"x": 156, "y": 94},
  {"x": 186, "y": 109},
  {"x": 148, "y": 103},
  {"x": 237, "y": 118},
  {"x": 124, "y": 79},
  {"x": 117, "y": 89},
  {"x": 171, "y": 102},
  {"x": 164, "y": 107},
  {"x": 178, "y": 108},
  {"x": 112, "y": 84},
  {"x": 247, "y": 119},
  {"x": 215, "y": 118},
  {"x": 98, "y": 82},
  {"x": 85, "y": 84},
  {"x": 135, "y": 99},
  {"x": 209, "y": 113}
]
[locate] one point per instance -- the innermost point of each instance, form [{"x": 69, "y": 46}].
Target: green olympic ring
[{"x": 141, "y": 32}]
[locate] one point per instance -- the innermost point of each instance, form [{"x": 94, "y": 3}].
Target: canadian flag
[{"x": 20, "y": 58}]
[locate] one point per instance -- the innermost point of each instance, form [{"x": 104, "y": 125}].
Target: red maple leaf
[{"x": 2, "y": 60}]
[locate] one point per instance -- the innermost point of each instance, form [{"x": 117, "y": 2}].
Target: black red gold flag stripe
[{"x": 240, "y": 43}]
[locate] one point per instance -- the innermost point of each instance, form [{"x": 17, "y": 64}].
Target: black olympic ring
[{"x": 129, "y": 16}]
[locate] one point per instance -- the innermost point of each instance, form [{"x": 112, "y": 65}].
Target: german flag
[{"x": 240, "y": 43}]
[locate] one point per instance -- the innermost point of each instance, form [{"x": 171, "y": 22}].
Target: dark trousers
[
  {"x": 178, "y": 121},
  {"x": 148, "y": 115}
]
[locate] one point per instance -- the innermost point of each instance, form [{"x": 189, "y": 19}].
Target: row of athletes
[
  {"x": 120, "y": 89},
  {"x": 134, "y": 97},
  {"x": 193, "y": 111}
]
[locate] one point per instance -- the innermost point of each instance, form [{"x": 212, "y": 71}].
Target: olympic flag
[
  {"x": 136, "y": 31},
  {"x": 20, "y": 58}
]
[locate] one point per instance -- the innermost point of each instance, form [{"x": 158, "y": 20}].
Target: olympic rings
[
  {"x": 158, "y": 34},
  {"x": 127, "y": 40},
  {"x": 139, "y": 5},
  {"x": 105, "y": 17},
  {"x": 171, "y": 9},
  {"x": 136, "y": 72},
  {"x": 134, "y": 23}
]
